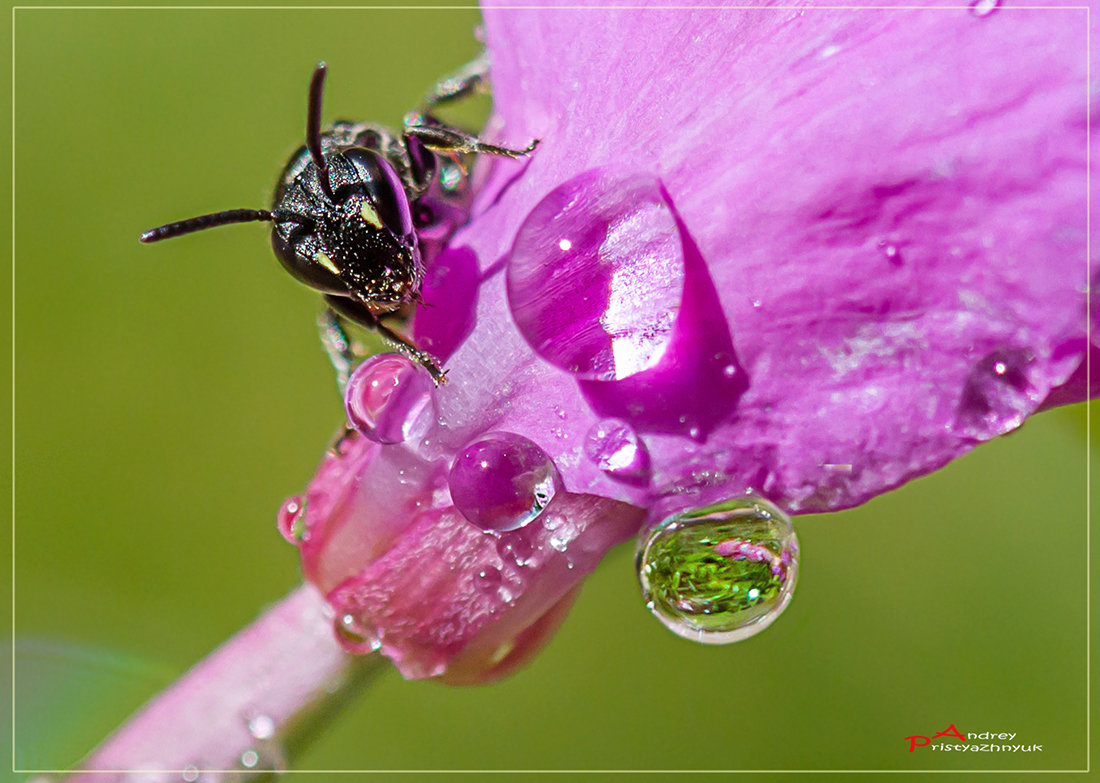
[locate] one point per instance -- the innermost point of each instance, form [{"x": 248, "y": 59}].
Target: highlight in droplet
[{"x": 615, "y": 448}]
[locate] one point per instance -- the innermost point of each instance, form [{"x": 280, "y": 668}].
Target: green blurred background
[{"x": 168, "y": 398}]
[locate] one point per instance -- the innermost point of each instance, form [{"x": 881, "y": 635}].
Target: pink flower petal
[
  {"x": 889, "y": 204},
  {"x": 882, "y": 222}
]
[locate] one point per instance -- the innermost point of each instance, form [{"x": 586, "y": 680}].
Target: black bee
[{"x": 350, "y": 202}]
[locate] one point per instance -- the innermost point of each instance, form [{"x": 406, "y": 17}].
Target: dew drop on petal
[
  {"x": 291, "y": 519},
  {"x": 489, "y": 579},
  {"x": 720, "y": 573},
  {"x": 263, "y": 756},
  {"x": 595, "y": 277},
  {"x": 998, "y": 394},
  {"x": 516, "y": 547},
  {"x": 980, "y": 8},
  {"x": 385, "y": 397},
  {"x": 502, "y": 481},
  {"x": 353, "y": 636},
  {"x": 261, "y": 726},
  {"x": 616, "y": 449}
]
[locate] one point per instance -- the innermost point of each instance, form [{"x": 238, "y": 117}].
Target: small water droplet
[
  {"x": 998, "y": 394},
  {"x": 502, "y": 481},
  {"x": 385, "y": 397},
  {"x": 616, "y": 449},
  {"x": 354, "y": 637},
  {"x": 263, "y": 756},
  {"x": 720, "y": 573},
  {"x": 982, "y": 8},
  {"x": 890, "y": 251},
  {"x": 516, "y": 548},
  {"x": 261, "y": 727},
  {"x": 489, "y": 579},
  {"x": 595, "y": 276},
  {"x": 291, "y": 520},
  {"x": 190, "y": 774}
]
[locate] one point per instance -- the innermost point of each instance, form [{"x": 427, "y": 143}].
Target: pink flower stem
[{"x": 238, "y": 709}]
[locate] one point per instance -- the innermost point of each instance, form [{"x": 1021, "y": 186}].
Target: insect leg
[
  {"x": 337, "y": 345},
  {"x": 440, "y": 138},
  {"x": 353, "y": 311},
  {"x": 469, "y": 79}
]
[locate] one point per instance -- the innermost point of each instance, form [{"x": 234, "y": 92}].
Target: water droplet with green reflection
[{"x": 721, "y": 573}]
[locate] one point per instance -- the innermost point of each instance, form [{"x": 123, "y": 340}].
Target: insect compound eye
[
  {"x": 302, "y": 254},
  {"x": 389, "y": 204}
]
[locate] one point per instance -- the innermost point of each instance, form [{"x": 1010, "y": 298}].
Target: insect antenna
[
  {"x": 202, "y": 222},
  {"x": 313, "y": 129}
]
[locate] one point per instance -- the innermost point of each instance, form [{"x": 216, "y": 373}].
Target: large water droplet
[
  {"x": 385, "y": 397},
  {"x": 721, "y": 573},
  {"x": 617, "y": 450},
  {"x": 291, "y": 519},
  {"x": 502, "y": 481},
  {"x": 982, "y": 8},
  {"x": 998, "y": 394},
  {"x": 353, "y": 636},
  {"x": 595, "y": 276}
]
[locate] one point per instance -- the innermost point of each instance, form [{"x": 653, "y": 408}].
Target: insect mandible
[{"x": 349, "y": 204}]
